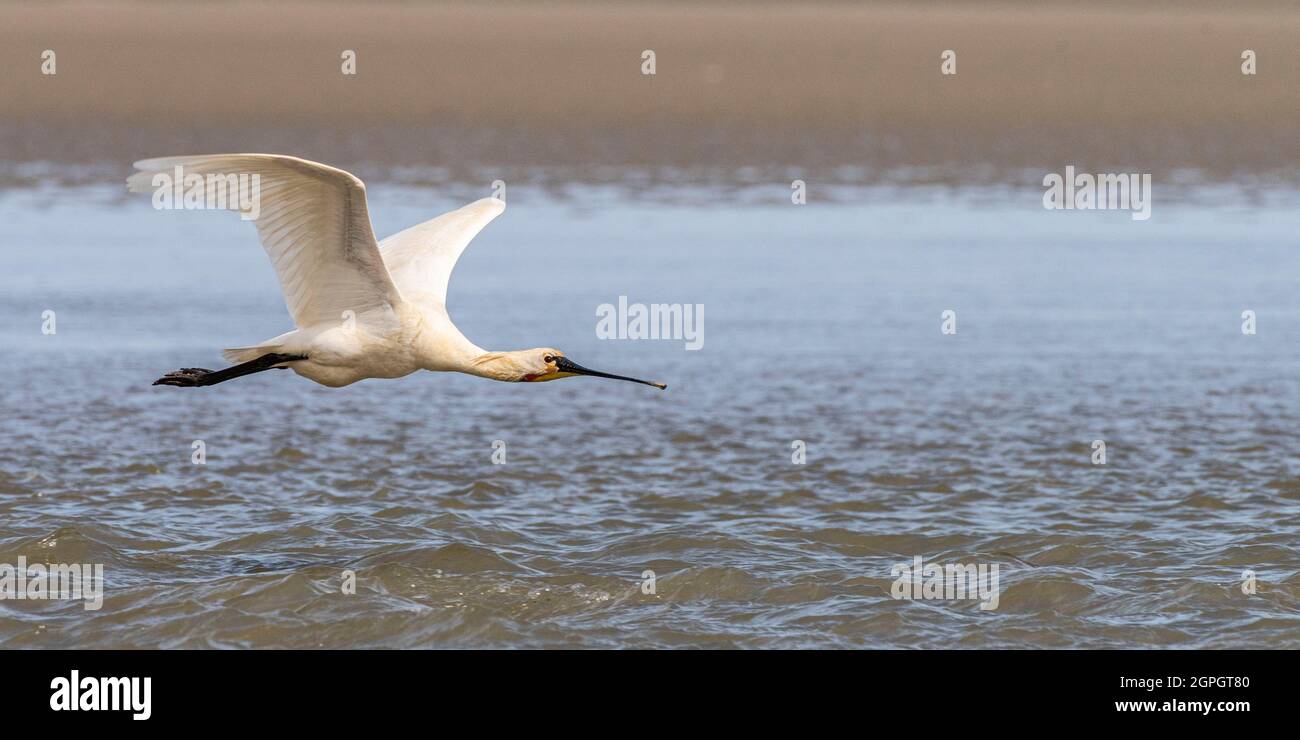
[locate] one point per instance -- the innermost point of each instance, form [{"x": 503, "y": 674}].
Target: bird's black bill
[{"x": 565, "y": 365}]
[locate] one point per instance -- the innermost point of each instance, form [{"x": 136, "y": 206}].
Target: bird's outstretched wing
[
  {"x": 314, "y": 224},
  {"x": 421, "y": 258}
]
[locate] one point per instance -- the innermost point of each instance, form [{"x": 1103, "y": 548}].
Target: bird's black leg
[{"x": 193, "y": 377}]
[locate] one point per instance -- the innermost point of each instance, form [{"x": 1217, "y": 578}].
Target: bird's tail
[
  {"x": 275, "y": 345},
  {"x": 236, "y": 355}
]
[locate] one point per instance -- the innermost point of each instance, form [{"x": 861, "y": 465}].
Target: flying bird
[{"x": 363, "y": 308}]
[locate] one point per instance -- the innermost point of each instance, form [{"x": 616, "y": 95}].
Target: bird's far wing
[
  {"x": 421, "y": 258},
  {"x": 313, "y": 222}
]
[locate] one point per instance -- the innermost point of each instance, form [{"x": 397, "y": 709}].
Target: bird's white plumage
[
  {"x": 314, "y": 225},
  {"x": 363, "y": 309},
  {"x": 421, "y": 258},
  {"x": 342, "y": 291}
]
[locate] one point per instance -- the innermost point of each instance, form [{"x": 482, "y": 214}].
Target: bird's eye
[{"x": 549, "y": 358}]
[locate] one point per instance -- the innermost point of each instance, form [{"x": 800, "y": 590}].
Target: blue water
[{"x": 822, "y": 325}]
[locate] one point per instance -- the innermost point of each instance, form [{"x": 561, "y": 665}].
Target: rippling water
[{"x": 822, "y": 325}]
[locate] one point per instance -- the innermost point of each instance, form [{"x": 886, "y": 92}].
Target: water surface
[{"x": 822, "y": 325}]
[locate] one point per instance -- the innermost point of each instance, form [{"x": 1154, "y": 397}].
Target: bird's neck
[
  {"x": 506, "y": 366},
  {"x": 442, "y": 347}
]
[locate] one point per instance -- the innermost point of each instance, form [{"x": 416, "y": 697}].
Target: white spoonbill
[{"x": 364, "y": 309}]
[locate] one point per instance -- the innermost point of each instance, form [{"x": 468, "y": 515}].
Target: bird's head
[{"x": 546, "y": 363}]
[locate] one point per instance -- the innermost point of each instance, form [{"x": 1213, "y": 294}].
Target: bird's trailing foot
[
  {"x": 186, "y": 377},
  {"x": 193, "y": 377}
]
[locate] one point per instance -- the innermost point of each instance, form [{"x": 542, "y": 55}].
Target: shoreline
[{"x": 510, "y": 86}]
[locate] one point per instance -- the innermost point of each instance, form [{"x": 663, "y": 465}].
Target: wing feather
[
  {"x": 421, "y": 258},
  {"x": 314, "y": 224}
]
